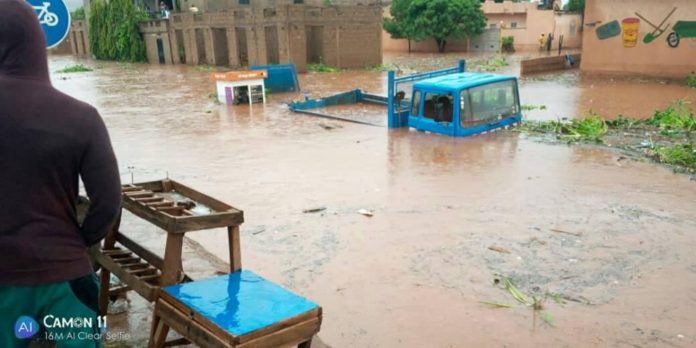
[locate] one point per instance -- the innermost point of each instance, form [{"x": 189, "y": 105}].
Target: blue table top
[{"x": 241, "y": 302}]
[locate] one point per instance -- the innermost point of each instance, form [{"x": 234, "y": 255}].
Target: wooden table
[{"x": 177, "y": 209}]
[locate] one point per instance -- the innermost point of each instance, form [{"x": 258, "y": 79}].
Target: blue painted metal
[
  {"x": 452, "y": 80},
  {"x": 241, "y": 302},
  {"x": 455, "y": 84},
  {"x": 350, "y": 97},
  {"x": 281, "y": 77},
  {"x": 54, "y": 17},
  {"x": 398, "y": 112}
]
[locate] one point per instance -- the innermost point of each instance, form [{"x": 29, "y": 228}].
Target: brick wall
[{"x": 350, "y": 35}]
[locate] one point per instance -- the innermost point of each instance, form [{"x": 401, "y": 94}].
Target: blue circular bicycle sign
[{"x": 54, "y": 18}]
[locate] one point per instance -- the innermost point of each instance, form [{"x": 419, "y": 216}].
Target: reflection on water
[{"x": 412, "y": 275}]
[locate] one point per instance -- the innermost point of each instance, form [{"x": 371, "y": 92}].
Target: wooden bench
[
  {"x": 257, "y": 313},
  {"x": 239, "y": 309}
]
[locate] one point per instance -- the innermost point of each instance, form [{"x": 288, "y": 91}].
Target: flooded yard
[{"x": 607, "y": 242}]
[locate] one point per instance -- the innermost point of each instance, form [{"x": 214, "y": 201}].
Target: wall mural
[
  {"x": 681, "y": 30},
  {"x": 630, "y": 27},
  {"x": 657, "y": 29}
]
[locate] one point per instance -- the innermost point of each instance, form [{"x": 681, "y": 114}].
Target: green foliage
[
  {"x": 508, "y": 43},
  {"x": 74, "y": 69},
  {"x": 576, "y": 6},
  {"x": 592, "y": 128},
  {"x": 204, "y": 68},
  {"x": 114, "y": 32},
  {"x": 328, "y": 2},
  {"x": 691, "y": 80},
  {"x": 491, "y": 64},
  {"x": 623, "y": 122},
  {"x": 397, "y": 25},
  {"x": 321, "y": 68},
  {"x": 676, "y": 117},
  {"x": 78, "y": 14},
  {"x": 680, "y": 155},
  {"x": 435, "y": 19}
]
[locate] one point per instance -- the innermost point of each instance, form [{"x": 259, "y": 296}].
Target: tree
[
  {"x": 113, "y": 30},
  {"x": 576, "y": 6},
  {"x": 435, "y": 19},
  {"x": 396, "y": 24}
]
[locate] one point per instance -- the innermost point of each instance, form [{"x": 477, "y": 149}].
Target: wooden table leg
[
  {"x": 159, "y": 331},
  {"x": 105, "y": 275},
  {"x": 172, "y": 268},
  {"x": 235, "y": 248}
]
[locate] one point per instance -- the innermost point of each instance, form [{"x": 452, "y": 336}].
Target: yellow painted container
[{"x": 630, "y": 28}]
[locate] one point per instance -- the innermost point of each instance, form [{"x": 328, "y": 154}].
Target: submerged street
[{"x": 450, "y": 214}]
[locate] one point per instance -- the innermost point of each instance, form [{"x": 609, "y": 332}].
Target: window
[
  {"x": 244, "y": 2},
  {"x": 298, "y": 2},
  {"x": 438, "y": 107},
  {"x": 492, "y": 25},
  {"x": 488, "y": 103},
  {"x": 416, "y": 103},
  {"x": 513, "y": 24}
]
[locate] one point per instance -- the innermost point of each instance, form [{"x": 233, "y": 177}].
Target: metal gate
[{"x": 489, "y": 41}]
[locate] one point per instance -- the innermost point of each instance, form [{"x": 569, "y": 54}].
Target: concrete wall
[
  {"x": 536, "y": 22},
  {"x": 153, "y": 31},
  {"x": 543, "y": 64},
  {"x": 350, "y": 35},
  {"x": 614, "y": 52}
]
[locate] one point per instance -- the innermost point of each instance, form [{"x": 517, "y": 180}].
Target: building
[
  {"x": 239, "y": 33},
  {"x": 640, "y": 36},
  {"x": 523, "y": 20}
]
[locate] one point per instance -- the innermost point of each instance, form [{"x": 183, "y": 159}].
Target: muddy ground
[{"x": 414, "y": 275}]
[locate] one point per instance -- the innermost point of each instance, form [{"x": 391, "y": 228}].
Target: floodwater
[{"x": 413, "y": 275}]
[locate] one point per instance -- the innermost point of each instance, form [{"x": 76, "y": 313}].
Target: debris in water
[
  {"x": 497, "y": 305},
  {"x": 366, "y": 212},
  {"x": 314, "y": 210},
  {"x": 577, "y": 234},
  {"x": 515, "y": 292},
  {"x": 547, "y": 318},
  {"x": 499, "y": 249}
]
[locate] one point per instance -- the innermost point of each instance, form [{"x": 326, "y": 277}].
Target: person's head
[
  {"x": 542, "y": 34},
  {"x": 22, "y": 42}
]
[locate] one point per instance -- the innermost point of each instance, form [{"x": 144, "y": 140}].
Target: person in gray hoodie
[{"x": 48, "y": 141}]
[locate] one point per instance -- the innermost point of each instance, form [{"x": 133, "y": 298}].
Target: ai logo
[{"x": 26, "y": 327}]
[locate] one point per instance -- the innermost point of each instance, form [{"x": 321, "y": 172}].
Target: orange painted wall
[{"x": 656, "y": 58}]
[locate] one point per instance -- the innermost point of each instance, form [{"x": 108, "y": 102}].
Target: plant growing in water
[
  {"x": 75, "y": 69},
  {"x": 691, "y": 80},
  {"x": 321, "y": 68},
  {"x": 508, "y": 43}
]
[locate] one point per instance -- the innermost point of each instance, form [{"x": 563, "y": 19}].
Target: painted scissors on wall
[{"x": 659, "y": 29}]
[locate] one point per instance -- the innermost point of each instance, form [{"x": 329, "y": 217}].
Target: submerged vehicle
[
  {"x": 448, "y": 101},
  {"x": 464, "y": 104}
]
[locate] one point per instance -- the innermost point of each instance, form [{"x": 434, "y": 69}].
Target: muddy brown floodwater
[{"x": 413, "y": 275}]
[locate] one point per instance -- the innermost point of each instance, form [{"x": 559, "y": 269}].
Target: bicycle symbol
[{"x": 46, "y": 17}]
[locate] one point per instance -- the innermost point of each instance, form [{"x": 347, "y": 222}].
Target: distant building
[
  {"x": 240, "y": 33},
  {"x": 523, "y": 20},
  {"x": 640, "y": 37}
]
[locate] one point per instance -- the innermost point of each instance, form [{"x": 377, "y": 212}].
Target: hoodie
[{"x": 48, "y": 140}]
